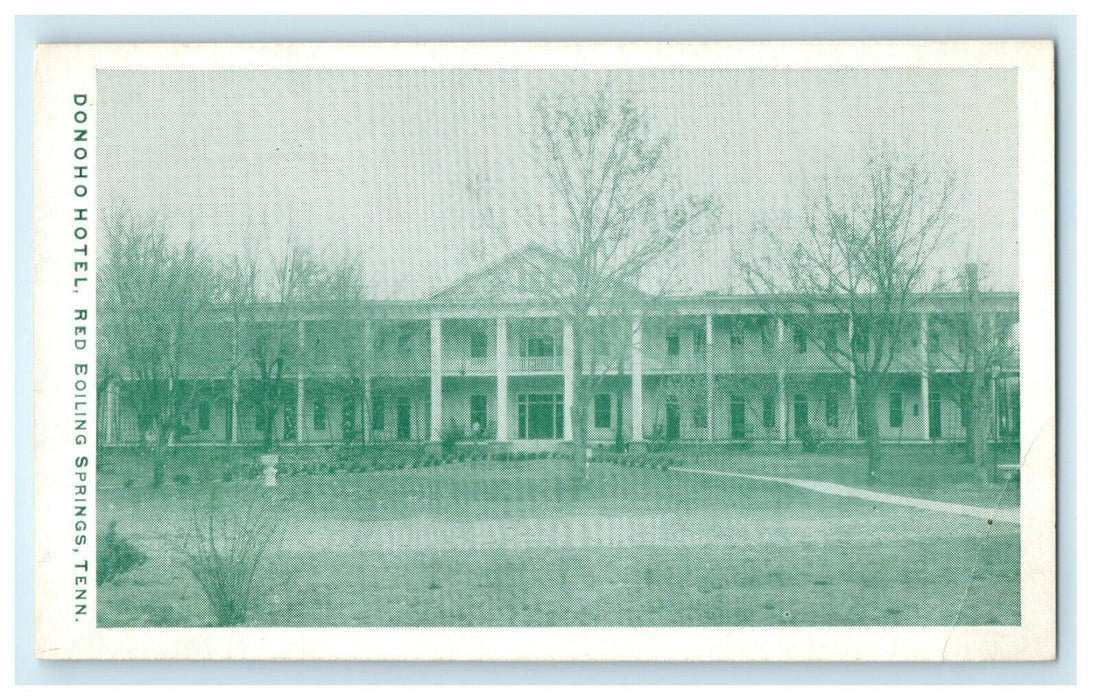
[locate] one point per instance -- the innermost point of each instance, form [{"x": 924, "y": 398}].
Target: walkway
[{"x": 1002, "y": 514}]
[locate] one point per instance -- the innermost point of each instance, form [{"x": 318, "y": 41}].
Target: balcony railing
[
  {"x": 469, "y": 365},
  {"x": 535, "y": 364}
]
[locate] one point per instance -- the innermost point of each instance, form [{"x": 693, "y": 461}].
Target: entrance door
[
  {"x": 672, "y": 410},
  {"x": 404, "y": 419},
  {"x": 736, "y": 418}
]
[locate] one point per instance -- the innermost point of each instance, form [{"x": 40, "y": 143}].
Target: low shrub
[
  {"x": 223, "y": 550},
  {"x": 115, "y": 555}
]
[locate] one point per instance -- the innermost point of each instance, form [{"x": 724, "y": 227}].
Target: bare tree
[
  {"x": 264, "y": 289},
  {"x": 858, "y": 265},
  {"x": 612, "y": 211},
  {"x": 151, "y": 292},
  {"x": 986, "y": 344}
]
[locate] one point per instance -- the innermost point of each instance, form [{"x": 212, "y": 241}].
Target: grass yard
[{"x": 503, "y": 544}]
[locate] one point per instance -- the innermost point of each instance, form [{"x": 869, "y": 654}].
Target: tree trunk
[
  {"x": 868, "y": 401},
  {"x": 978, "y": 421}
]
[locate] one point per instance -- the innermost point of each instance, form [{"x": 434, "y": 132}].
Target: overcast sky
[{"x": 378, "y": 160}]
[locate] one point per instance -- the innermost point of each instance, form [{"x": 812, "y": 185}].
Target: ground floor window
[
  {"x": 935, "y": 415},
  {"x": 603, "y": 411},
  {"x": 541, "y": 416},
  {"x": 801, "y": 413},
  {"x": 768, "y": 417},
  {"x": 671, "y": 412},
  {"x": 320, "y": 414},
  {"x": 404, "y": 418},
  {"x": 896, "y": 409},
  {"x": 377, "y": 412},
  {"x": 478, "y": 414},
  {"x": 289, "y": 423},
  {"x": 831, "y": 410},
  {"x": 204, "y": 415},
  {"x": 736, "y": 418},
  {"x": 699, "y": 416}
]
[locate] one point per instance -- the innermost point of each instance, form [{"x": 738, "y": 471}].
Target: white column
[
  {"x": 568, "y": 367},
  {"x": 368, "y": 359},
  {"x": 637, "y": 408},
  {"x": 780, "y": 346},
  {"x": 108, "y": 414},
  {"x": 995, "y": 434},
  {"x": 300, "y": 436},
  {"x": 710, "y": 377},
  {"x": 925, "y": 381},
  {"x": 436, "y": 379},
  {"x": 501, "y": 379},
  {"x": 851, "y": 377}
]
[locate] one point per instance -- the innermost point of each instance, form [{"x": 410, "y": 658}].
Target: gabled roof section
[{"x": 520, "y": 277}]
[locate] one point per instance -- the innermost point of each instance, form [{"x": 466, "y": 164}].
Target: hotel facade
[{"x": 484, "y": 360}]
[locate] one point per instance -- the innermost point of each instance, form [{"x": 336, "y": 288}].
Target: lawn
[{"x": 502, "y": 544}]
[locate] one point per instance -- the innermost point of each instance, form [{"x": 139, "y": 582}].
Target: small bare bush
[{"x": 224, "y": 547}]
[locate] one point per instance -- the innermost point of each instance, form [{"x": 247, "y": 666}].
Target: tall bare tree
[
  {"x": 151, "y": 293},
  {"x": 986, "y": 344},
  {"x": 861, "y": 259},
  {"x": 264, "y": 290},
  {"x": 612, "y": 212}
]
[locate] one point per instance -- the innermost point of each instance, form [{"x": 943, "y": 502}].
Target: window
[
  {"x": 698, "y": 413},
  {"x": 602, "y": 410},
  {"x": 700, "y": 342},
  {"x": 896, "y": 410},
  {"x": 377, "y": 412},
  {"x": 800, "y": 339},
  {"x": 539, "y": 346},
  {"x": 478, "y": 345},
  {"x": 204, "y": 415},
  {"x": 935, "y": 415},
  {"x": 766, "y": 341},
  {"x": 736, "y": 338},
  {"x": 673, "y": 345},
  {"x": 320, "y": 414},
  {"x": 736, "y": 418},
  {"x": 932, "y": 342},
  {"x": 801, "y": 413},
  {"x": 768, "y": 411},
  {"x": 478, "y": 414},
  {"x": 831, "y": 410}
]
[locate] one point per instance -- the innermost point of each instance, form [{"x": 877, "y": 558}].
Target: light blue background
[{"x": 80, "y": 29}]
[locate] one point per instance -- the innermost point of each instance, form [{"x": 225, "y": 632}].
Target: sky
[{"x": 377, "y": 162}]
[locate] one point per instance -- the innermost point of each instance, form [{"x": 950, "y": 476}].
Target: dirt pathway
[{"x": 1003, "y": 514}]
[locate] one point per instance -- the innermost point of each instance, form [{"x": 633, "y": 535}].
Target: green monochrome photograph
[{"x": 504, "y": 345}]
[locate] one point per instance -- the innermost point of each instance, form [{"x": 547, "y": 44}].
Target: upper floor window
[
  {"x": 673, "y": 345},
  {"x": 800, "y": 339},
  {"x": 932, "y": 342},
  {"x": 539, "y": 346},
  {"x": 320, "y": 414},
  {"x": 478, "y": 345},
  {"x": 700, "y": 341}
]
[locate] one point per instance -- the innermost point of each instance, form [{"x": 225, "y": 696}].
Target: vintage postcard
[{"x": 642, "y": 351}]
